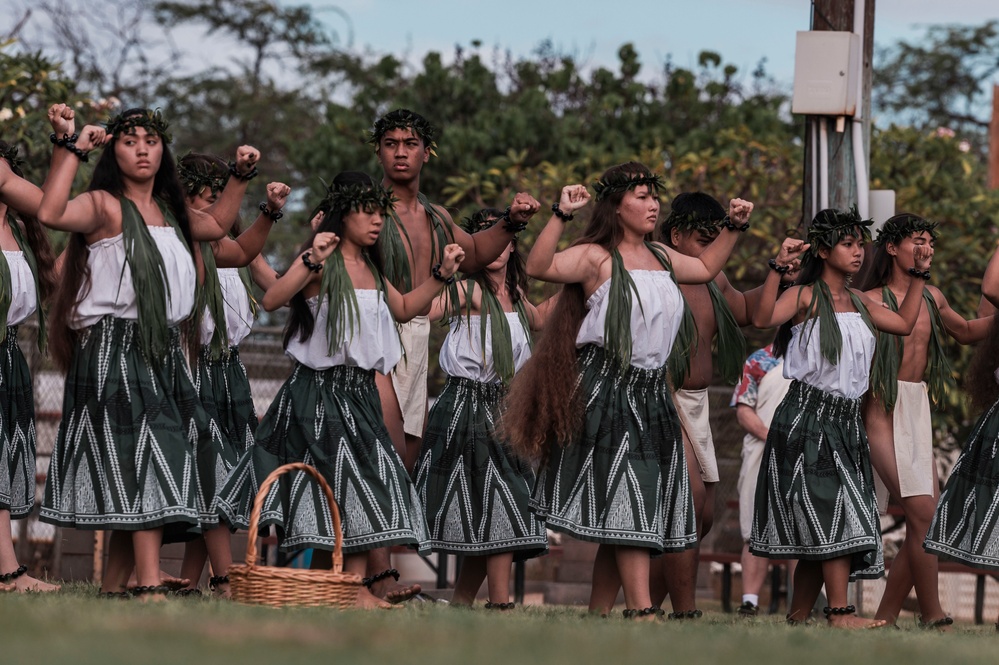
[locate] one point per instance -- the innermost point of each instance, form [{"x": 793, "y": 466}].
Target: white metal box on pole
[{"x": 825, "y": 73}]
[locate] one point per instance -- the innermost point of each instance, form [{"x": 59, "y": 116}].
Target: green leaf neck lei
[
  {"x": 391, "y": 241},
  {"x": 830, "y": 336},
  {"x": 891, "y": 348},
  {"x": 493, "y": 318},
  {"x": 149, "y": 277}
]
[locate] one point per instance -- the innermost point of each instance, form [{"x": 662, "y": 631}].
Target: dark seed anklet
[
  {"x": 375, "y": 579},
  {"x": 689, "y": 614},
  {"x": 500, "y": 606},
  {"x": 830, "y": 611},
  {"x": 942, "y": 622},
  {"x": 143, "y": 590},
  {"x": 10, "y": 577},
  {"x": 648, "y": 611},
  {"x": 187, "y": 593},
  {"x": 214, "y": 582},
  {"x": 114, "y": 595}
]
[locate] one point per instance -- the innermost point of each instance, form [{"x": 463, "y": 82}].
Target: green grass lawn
[{"x": 75, "y": 627}]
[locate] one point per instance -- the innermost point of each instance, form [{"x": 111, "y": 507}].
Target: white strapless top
[
  {"x": 462, "y": 355},
  {"x": 375, "y": 346},
  {"x": 238, "y": 312},
  {"x": 654, "y": 322},
  {"x": 111, "y": 289},
  {"x": 849, "y": 377},
  {"x": 24, "y": 299}
]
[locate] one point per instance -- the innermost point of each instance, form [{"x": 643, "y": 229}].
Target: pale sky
[{"x": 743, "y": 31}]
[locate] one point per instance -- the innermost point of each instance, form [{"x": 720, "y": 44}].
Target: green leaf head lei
[
  {"x": 344, "y": 198},
  {"x": 902, "y": 226},
  {"x": 830, "y": 226},
  {"x": 405, "y": 119},
  {"x": 198, "y": 172},
  {"x": 9, "y": 153},
  {"x": 694, "y": 211},
  {"x": 126, "y": 122},
  {"x": 619, "y": 181}
]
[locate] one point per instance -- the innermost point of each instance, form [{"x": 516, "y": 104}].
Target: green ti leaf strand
[
  {"x": 492, "y": 312},
  {"x": 210, "y": 296},
  {"x": 942, "y": 378},
  {"x": 247, "y": 279},
  {"x": 884, "y": 375},
  {"x": 149, "y": 278},
  {"x": 343, "y": 313},
  {"x": 730, "y": 343},
  {"x": 684, "y": 347},
  {"x": 617, "y": 324}
]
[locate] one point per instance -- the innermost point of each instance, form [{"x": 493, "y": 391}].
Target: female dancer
[
  {"x": 964, "y": 526},
  {"x": 132, "y": 420},
  {"x": 341, "y": 330},
  {"x": 612, "y": 462},
  {"x": 26, "y": 281},
  {"x": 815, "y": 498},
  {"x": 475, "y": 493},
  {"x": 225, "y": 312}
]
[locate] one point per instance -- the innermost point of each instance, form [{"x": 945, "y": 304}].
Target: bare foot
[
  {"x": 4, "y": 588},
  {"x": 369, "y": 601},
  {"x": 853, "y": 622},
  {"x": 166, "y": 579},
  {"x": 394, "y": 592},
  {"x": 26, "y": 584}
]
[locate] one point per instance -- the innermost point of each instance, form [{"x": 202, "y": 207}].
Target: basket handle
[{"x": 258, "y": 505}]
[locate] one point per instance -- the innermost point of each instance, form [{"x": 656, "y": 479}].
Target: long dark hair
[
  {"x": 980, "y": 382},
  {"x": 301, "y": 321},
  {"x": 542, "y": 406},
  {"x": 37, "y": 239},
  {"x": 75, "y": 282}
]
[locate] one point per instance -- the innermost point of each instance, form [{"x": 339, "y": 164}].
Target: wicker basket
[{"x": 279, "y": 587}]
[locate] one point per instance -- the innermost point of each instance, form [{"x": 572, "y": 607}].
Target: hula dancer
[
  {"x": 897, "y": 409},
  {"x": 26, "y": 280},
  {"x": 341, "y": 330},
  {"x": 712, "y": 317},
  {"x": 415, "y": 233},
  {"x": 225, "y": 310},
  {"x": 964, "y": 526},
  {"x": 815, "y": 497},
  {"x": 132, "y": 421},
  {"x": 475, "y": 493},
  {"x": 612, "y": 462}
]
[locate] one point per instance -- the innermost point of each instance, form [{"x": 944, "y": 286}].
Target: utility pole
[
  {"x": 830, "y": 143},
  {"x": 994, "y": 141}
]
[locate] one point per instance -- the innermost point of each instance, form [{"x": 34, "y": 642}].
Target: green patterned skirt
[
  {"x": 624, "y": 480},
  {"x": 224, "y": 390},
  {"x": 964, "y": 527},
  {"x": 17, "y": 430},
  {"x": 124, "y": 456},
  {"x": 475, "y": 493},
  {"x": 815, "y": 496},
  {"x": 332, "y": 420}
]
